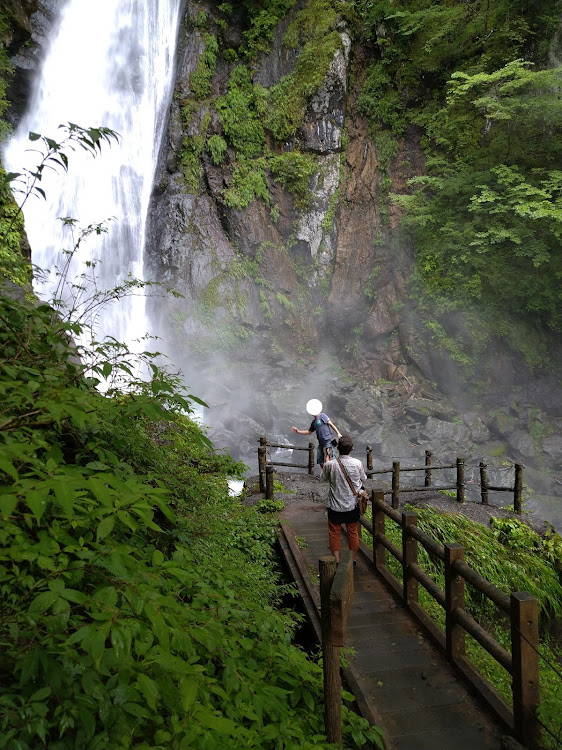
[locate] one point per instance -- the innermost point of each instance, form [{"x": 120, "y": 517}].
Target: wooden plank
[{"x": 341, "y": 598}]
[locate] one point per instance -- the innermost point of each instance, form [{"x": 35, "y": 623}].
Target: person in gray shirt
[{"x": 341, "y": 501}]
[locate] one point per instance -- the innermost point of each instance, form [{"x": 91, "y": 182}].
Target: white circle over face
[{"x": 314, "y": 407}]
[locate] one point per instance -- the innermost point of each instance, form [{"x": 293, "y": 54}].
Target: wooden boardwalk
[{"x": 401, "y": 681}]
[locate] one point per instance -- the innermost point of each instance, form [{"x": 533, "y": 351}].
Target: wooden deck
[{"x": 400, "y": 680}]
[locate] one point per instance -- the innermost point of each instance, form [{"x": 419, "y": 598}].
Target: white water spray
[{"x": 110, "y": 65}]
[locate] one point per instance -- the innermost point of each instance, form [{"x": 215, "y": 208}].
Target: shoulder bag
[{"x": 362, "y": 496}]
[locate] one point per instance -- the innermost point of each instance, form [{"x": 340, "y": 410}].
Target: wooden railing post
[
  {"x": 525, "y": 655},
  {"x": 518, "y": 488},
  {"x": 269, "y": 482},
  {"x": 262, "y": 459},
  {"x": 454, "y": 598},
  {"x": 379, "y": 525},
  {"x": 460, "y": 480},
  {"x": 409, "y": 557},
  {"x": 369, "y": 458},
  {"x": 483, "y": 483},
  {"x": 427, "y": 469},
  {"x": 330, "y": 654},
  {"x": 311, "y": 458},
  {"x": 395, "y": 484}
]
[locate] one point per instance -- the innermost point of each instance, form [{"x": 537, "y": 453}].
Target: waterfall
[{"x": 108, "y": 64}]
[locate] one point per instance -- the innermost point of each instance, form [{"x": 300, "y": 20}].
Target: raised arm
[{"x": 301, "y": 432}]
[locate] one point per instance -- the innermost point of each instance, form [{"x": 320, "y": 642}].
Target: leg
[
  {"x": 353, "y": 537},
  {"x": 334, "y": 537}
]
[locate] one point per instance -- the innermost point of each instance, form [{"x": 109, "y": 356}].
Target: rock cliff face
[
  {"x": 29, "y": 23},
  {"x": 329, "y": 273}
]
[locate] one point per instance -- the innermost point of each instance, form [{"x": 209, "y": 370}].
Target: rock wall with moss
[{"x": 284, "y": 209}]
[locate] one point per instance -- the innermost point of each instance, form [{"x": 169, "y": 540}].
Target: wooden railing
[
  {"x": 336, "y": 598},
  {"x": 266, "y": 469},
  {"x": 458, "y": 486},
  {"x": 523, "y": 661}
]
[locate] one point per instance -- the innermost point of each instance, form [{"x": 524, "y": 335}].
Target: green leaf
[
  {"x": 8, "y": 504},
  {"x": 136, "y": 710},
  {"x": 65, "y": 497},
  {"x": 121, "y": 641},
  {"x": 188, "y": 692},
  {"x": 157, "y": 558},
  {"x": 41, "y": 694},
  {"x": 149, "y": 690},
  {"x": 105, "y": 527},
  {"x": 96, "y": 643},
  {"x": 216, "y": 722},
  {"x": 8, "y": 468},
  {"x": 36, "y": 501},
  {"x": 42, "y": 603}
]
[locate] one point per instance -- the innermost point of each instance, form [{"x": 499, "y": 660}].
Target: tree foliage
[{"x": 486, "y": 217}]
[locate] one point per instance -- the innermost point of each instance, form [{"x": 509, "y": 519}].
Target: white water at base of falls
[{"x": 109, "y": 64}]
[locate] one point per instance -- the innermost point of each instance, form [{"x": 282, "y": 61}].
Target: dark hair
[{"x": 345, "y": 445}]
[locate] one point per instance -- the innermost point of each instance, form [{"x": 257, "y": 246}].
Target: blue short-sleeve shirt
[{"x": 320, "y": 425}]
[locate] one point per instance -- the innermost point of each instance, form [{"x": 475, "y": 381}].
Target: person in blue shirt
[{"x": 322, "y": 426}]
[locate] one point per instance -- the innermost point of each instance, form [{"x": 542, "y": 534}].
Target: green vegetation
[
  {"x": 200, "y": 79},
  {"x": 313, "y": 32},
  {"x": 260, "y": 20},
  {"x": 249, "y": 113},
  {"x": 294, "y": 171},
  {"x": 12, "y": 265},
  {"x": 217, "y": 147},
  {"x": 486, "y": 219},
  {"x": 138, "y": 597},
  {"x": 11, "y": 222}
]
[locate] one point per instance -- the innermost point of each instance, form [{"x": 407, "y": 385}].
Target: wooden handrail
[
  {"x": 396, "y": 470},
  {"x": 522, "y": 664}
]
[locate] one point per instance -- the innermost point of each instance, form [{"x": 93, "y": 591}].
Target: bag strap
[{"x": 346, "y": 475}]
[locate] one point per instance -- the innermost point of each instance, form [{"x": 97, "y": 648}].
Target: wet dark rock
[
  {"x": 523, "y": 444},
  {"x": 450, "y": 432}
]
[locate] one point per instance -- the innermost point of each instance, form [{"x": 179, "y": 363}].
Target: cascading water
[{"x": 109, "y": 66}]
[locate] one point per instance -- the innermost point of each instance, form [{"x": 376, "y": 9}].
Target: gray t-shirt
[{"x": 340, "y": 497}]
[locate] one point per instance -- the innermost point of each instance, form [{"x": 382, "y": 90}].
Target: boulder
[
  {"x": 395, "y": 446},
  {"x": 373, "y": 436},
  {"x": 425, "y": 407},
  {"x": 523, "y": 443},
  {"x": 502, "y": 424},
  {"x": 439, "y": 431},
  {"x": 478, "y": 430},
  {"x": 552, "y": 446}
]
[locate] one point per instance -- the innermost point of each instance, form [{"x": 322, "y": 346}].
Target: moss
[
  {"x": 294, "y": 170},
  {"x": 241, "y": 111},
  {"x": 258, "y": 38},
  {"x": 248, "y": 183},
  {"x": 216, "y": 146},
  {"x": 200, "y": 79}
]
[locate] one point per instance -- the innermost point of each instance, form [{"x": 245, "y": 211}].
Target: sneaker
[{"x": 355, "y": 563}]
